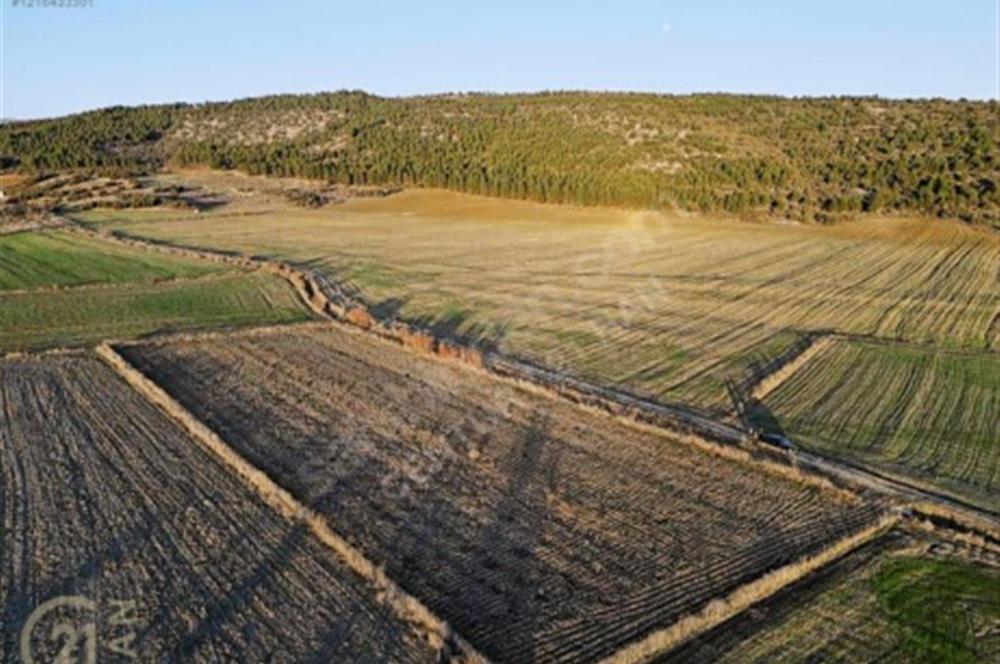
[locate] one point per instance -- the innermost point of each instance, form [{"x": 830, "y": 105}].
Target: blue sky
[{"x": 61, "y": 60}]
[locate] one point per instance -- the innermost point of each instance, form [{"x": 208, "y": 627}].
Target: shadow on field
[
  {"x": 453, "y": 324},
  {"x": 223, "y": 622},
  {"x": 240, "y": 595},
  {"x": 389, "y": 309},
  {"x": 761, "y": 364},
  {"x": 222, "y": 609},
  {"x": 505, "y": 555},
  {"x": 480, "y": 569},
  {"x": 761, "y": 417}
]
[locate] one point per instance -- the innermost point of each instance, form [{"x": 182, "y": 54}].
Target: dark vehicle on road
[{"x": 777, "y": 440}]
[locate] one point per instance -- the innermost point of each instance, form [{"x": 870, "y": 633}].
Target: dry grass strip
[
  {"x": 958, "y": 520},
  {"x": 721, "y": 610},
  {"x": 433, "y": 629},
  {"x": 771, "y": 381}
]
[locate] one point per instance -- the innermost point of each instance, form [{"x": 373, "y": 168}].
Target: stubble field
[
  {"x": 664, "y": 306},
  {"x": 537, "y": 529},
  {"x": 932, "y": 417},
  {"x": 677, "y": 309}
]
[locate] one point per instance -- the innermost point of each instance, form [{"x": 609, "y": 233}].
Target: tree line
[{"x": 807, "y": 159}]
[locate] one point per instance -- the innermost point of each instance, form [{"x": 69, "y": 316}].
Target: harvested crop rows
[
  {"x": 667, "y": 307},
  {"x": 928, "y": 415},
  {"x": 902, "y": 599},
  {"x": 537, "y": 529},
  {"x": 103, "y": 496}
]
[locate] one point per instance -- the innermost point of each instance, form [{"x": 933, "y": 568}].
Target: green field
[
  {"x": 34, "y": 260},
  {"x": 60, "y": 288},
  {"x": 85, "y": 316},
  {"x": 893, "y": 607},
  {"x": 931, "y": 416}
]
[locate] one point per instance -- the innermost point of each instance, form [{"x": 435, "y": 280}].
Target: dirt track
[
  {"x": 537, "y": 529},
  {"x": 103, "y": 496}
]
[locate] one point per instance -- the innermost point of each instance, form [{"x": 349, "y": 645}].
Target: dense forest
[{"x": 806, "y": 159}]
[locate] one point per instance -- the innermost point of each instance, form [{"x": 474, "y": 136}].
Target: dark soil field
[
  {"x": 102, "y": 495},
  {"x": 540, "y": 531}
]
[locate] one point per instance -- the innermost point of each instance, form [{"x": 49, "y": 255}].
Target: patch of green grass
[
  {"x": 371, "y": 276},
  {"x": 941, "y": 609},
  {"x": 875, "y": 605},
  {"x": 579, "y": 338},
  {"x": 43, "y": 319},
  {"x": 33, "y": 260}
]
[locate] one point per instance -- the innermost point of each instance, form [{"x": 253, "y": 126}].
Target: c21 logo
[{"x": 67, "y": 630}]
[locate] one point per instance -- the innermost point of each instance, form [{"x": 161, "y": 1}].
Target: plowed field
[
  {"x": 537, "y": 529},
  {"x": 103, "y": 496}
]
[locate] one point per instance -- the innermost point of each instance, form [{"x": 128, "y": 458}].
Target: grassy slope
[
  {"x": 929, "y": 415},
  {"x": 85, "y": 316},
  {"x": 941, "y": 608},
  {"x": 33, "y": 260}
]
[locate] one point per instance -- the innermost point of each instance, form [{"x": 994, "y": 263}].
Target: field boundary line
[
  {"x": 647, "y": 417},
  {"x": 109, "y": 285},
  {"x": 931, "y": 522},
  {"x": 55, "y": 350},
  {"x": 16, "y": 228},
  {"x": 303, "y": 284},
  {"x": 785, "y": 370},
  {"x": 919, "y": 499},
  {"x": 178, "y": 336},
  {"x": 411, "y": 610},
  {"x": 716, "y": 612},
  {"x": 923, "y": 347}
]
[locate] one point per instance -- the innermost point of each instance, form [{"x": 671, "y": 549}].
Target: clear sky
[{"x": 61, "y": 60}]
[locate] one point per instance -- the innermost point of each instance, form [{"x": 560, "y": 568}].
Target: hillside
[{"x": 805, "y": 159}]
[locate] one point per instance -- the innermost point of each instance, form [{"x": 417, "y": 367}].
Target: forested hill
[{"x": 811, "y": 159}]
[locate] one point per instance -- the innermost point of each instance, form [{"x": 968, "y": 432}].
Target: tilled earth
[
  {"x": 104, "y": 497},
  {"x": 541, "y": 531}
]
